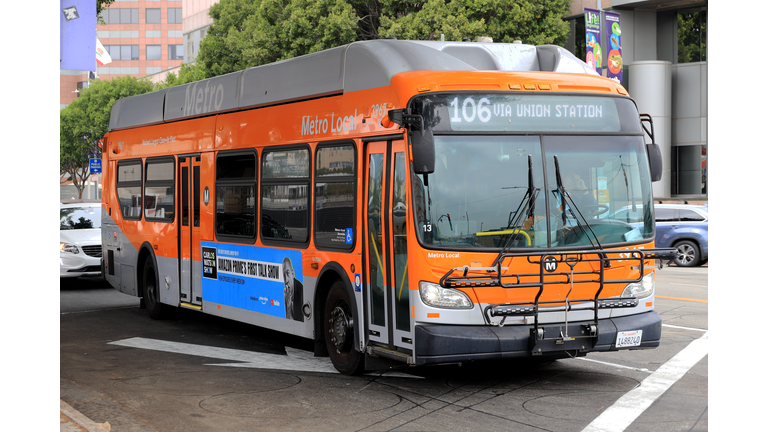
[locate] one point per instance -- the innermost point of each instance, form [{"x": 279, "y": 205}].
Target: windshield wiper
[
  {"x": 566, "y": 200},
  {"x": 531, "y": 194}
]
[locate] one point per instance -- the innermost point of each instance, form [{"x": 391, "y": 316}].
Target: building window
[
  {"x": 159, "y": 201},
  {"x": 129, "y": 188},
  {"x": 175, "y": 52},
  {"x": 81, "y": 85},
  {"x": 285, "y": 195},
  {"x": 123, "y": 52},
  {"x": 154, "y": 52},
  {"x": 334, "y": 196},
  {"x": 153, "y": 16},
  {"x": 192, "y": 41},
  {"x": 691, "y": 36},
  {"x": 689, "y": 176},
  {"x": 236, "y": 196},
  {"x": 120, "y": 16},
  {"x": 174, "y": 16}
]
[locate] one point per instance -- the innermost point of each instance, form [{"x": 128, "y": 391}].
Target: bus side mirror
[
  {"x": 423, "y": 148},
  {"x": 654, "y": 161},
  {"x": 422, "y": 140},
  {"x": 653, "y": 149}
]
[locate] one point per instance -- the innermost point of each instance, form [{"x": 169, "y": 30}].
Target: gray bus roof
[{"x": 356, "y": 66}]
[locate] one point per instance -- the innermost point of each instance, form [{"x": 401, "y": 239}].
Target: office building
[{"x": 664, "y": 52}]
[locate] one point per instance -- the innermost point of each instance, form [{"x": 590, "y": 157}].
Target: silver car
[{"x": 80, "y": 239}]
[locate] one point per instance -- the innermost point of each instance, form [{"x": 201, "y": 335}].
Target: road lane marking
[
  {"x": 684, "y": 328},
  {"x": 629, "y": 407},
  {"x": 295, "y": 360},
  {"x": 683, "y": 299},
  {"x": 613, "y": 364}
]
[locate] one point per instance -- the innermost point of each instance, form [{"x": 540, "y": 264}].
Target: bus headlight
[
  {"x": 433, "y": 294},
  {"x": 642, "y": 289}
]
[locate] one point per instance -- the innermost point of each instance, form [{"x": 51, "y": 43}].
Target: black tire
[
  {"x": 688, "y": 254},
  {"x": 155, "y": 309},
  {"x": 339, "y": 330}
]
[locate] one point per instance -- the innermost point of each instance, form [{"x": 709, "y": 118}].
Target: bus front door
[
  {"x": 189, "y": 237},
  {"x": 389, "y": 319}
]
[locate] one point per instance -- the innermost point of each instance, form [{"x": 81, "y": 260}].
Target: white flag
[{"x": 102, "y": 56}]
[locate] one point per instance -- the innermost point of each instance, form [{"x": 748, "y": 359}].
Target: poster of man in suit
[{"x": 294, "y": 292}]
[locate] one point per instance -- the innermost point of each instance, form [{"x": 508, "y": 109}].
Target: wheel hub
[{"x": 339, "y": 327}]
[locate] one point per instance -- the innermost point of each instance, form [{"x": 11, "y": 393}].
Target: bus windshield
[{"x": 477, "y": 196}]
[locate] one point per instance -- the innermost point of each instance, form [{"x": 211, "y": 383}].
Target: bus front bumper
[{"x": 459, "y": 343}]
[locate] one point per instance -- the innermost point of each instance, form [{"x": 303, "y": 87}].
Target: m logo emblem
[{"x": 550, "y": 264}]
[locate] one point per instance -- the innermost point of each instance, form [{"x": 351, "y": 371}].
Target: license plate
[{"x": 629, "y": 338}]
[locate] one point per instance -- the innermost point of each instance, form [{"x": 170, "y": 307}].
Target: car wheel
[
  {"x": 687, "y": 254},
  {"x": 339, "y": 329},
  {"x": 155, "y": 309}
]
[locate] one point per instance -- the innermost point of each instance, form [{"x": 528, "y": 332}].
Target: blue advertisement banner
[
  {"x": 614, "y": 60},
  {"x": 77, "y": 37},
  {"x": 264, "y": 280},
  {"x": 594, "y": 50}
]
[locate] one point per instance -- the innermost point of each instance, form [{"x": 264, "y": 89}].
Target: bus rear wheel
[
  {"x": 155, "y": 309},
  {"x": 339, "y": 328}
]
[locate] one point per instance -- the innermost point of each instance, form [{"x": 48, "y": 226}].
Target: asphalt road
[{"x": 199, "y": 373}]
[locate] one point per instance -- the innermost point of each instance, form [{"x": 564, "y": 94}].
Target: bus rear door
[
  {"x": 388, "y": 310},
  {"x": 189, "y": 237}
]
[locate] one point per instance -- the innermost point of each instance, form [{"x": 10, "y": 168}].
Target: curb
[{"x": 76, "y": 417}]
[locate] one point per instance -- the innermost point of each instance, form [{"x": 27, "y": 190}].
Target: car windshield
[
  {"x": 477, "y": 196},
  {"x": 80, "y": 218}
]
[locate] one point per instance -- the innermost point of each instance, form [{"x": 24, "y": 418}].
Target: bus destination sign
[{"x": 501, "y": 112}]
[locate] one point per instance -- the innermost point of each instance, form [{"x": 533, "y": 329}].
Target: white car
[{"x": 80, "y": 239}]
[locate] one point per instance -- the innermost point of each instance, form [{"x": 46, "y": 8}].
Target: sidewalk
[{"x": 73, "y": 421}]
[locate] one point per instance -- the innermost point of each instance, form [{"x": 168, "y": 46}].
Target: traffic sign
[{"x": 95, "y": 166}]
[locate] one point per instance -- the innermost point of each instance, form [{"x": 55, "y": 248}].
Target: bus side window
[
  {"x": 285, "y": 194},
  {"x": 128, "y": 187},
  {"x": 159, "y": 198},
  {"x": 236, "y": 195},
  {"x": 335, "y": 196}
]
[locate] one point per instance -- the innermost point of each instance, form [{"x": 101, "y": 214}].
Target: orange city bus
[{"x": 426, "y": 202}]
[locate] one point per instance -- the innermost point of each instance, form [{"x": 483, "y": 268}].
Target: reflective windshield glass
[
  {"x": 80, "y": 218},
  {"x": 608, "y": 188},
  {"x": 478, "y": 195}
]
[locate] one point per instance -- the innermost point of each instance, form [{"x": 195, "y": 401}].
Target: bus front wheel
[
  {"x": 339, "y": 328},
  {"x": 155, "y": 309}
]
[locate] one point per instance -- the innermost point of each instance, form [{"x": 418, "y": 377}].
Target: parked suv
[{"x": 685, "y": 227}]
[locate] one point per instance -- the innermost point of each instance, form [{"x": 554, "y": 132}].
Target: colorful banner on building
[
  {"x": 594, "y": 50},
  {"x": 77, "y": 41},
  {"x": 615, "y": 61}
]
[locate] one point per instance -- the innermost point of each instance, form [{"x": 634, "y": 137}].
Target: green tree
[
  {"x": 533, "y": 22},
  {"x": 187, "y": 73},
  {"x": 85, "y": 121},
  {"x": 247, "y": 33}
]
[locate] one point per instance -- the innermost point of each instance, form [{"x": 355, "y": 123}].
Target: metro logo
[
  {"x": 203, "y": 100},
  {"x": 549, "y": 263}
]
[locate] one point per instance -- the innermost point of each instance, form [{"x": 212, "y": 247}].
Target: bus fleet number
[{"x": 378, "y": 110}]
